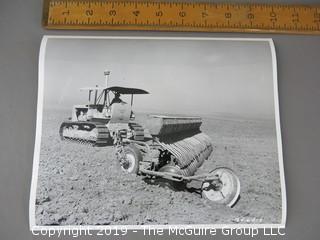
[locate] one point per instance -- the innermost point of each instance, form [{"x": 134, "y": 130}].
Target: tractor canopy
[
  {"x": 101, "y": 95},
  {"x": 126, "y": 91}
]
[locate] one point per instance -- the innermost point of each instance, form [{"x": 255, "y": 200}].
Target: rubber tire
[
  {"x": 135, "y": 152},
  {"x": 232, "y": 196}
]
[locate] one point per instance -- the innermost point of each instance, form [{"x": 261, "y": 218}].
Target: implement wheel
[
  {"x": 223, "y": 189},
  {"x": 131, "y": 159}
]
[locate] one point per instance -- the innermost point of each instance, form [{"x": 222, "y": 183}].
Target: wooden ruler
[{"x": 180, "y": 16}]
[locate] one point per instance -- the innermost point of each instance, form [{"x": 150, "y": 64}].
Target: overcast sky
[{"x": 183, "y": 76}]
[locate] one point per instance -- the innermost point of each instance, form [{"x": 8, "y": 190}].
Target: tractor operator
[{"x": 116, "y": 99}]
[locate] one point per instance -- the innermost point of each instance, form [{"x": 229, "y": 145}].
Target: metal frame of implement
[
  {"x": 167, "y": 175},
  {"x": 181, "y": 16}
]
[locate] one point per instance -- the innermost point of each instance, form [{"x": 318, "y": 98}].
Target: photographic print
[{"x": 136, "y": 131}]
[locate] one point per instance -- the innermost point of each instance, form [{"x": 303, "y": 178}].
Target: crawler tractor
[{"x": 169, "y": 148}]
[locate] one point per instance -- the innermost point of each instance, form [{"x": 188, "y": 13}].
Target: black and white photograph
[{"x": 136, "y": 131}]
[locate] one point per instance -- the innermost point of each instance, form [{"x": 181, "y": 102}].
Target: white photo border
[{"x": 36, "y": 156}]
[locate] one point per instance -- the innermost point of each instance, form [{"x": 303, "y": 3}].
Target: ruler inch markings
[{"x": 181, "y": 16}]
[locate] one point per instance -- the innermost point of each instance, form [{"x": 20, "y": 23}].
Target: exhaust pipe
[{"x": 106, "y": 75}]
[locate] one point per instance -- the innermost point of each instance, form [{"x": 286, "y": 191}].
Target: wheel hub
[
  {"x": 127, "y": 162},
  {"x": 215, "y": 185}
]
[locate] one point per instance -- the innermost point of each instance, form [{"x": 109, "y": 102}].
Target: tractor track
[{"x": 99, "y": 138}]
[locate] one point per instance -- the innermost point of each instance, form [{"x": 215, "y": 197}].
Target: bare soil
[{"x": 83, "y": 185}]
